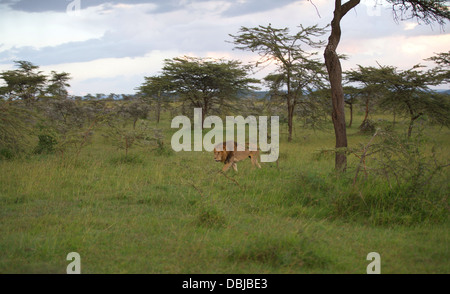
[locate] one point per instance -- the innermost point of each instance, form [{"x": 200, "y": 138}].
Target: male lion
[{"x": 229, "y": 158}]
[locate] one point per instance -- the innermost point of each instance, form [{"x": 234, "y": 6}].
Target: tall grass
[{"x": 163, "y": 212}]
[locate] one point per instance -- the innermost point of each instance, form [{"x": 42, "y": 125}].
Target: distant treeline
[{"x": 252, "y": 94}]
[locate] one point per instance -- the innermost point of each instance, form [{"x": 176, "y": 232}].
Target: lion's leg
[
  {"x": 255, "y": 161},
  {"x": 227, "y": 166},
  {"x": 234, "y": 166}
]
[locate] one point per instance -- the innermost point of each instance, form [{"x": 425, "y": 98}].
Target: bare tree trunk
[
  {"x": 367, "y": 111},
  {"x": 410, "y": 127},
  {"x": 351, "y": 116},
  {"x": 413, "y": 117},
  {"x": 335, "y": 75},
  {"x": 204, "y": 113},
  {"x": 158, "y": 111},
  {"x": 290, "y": 120},
  {"x": 411, "y": 124}
]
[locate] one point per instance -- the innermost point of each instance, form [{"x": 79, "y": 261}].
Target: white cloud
[
  {"x": 401, "y": 51},
  {"x": 38, "y": 30},
  {"x": 111, "y": 72},
  {"x": 109, "y": 46},
  {"x": 408, "y": 25}
]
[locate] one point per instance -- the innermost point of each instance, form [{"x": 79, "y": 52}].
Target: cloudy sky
[{"x": 109, "y": 46}]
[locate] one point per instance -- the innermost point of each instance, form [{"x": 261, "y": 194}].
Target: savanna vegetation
[{"x": 97, "y": 175}]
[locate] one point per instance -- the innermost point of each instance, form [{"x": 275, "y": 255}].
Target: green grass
[{"x": 157, "y": 212}]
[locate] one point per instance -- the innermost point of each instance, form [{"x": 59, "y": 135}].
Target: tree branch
[{"x": 347, "y": 6}]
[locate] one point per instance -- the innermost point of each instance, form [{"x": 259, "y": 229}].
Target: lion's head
[{"x": 219, "y": 155}]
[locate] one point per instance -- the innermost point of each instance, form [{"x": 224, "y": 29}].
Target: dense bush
[{"x": 45, "y": 145}]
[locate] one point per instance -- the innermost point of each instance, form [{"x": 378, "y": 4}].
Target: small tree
[
  {"x": 65, "y": 112},
  {"x": 58, "y": 85},
  {"x": 25, "y": 83},
  {"x": 156, "y": 89},
  {"x": 298, "y": 73},
  {"x": 351, "y": 95},
  {"x": 135, "y": 110},
  {"x": 371, "y": 79},
  {"x": 205, "y": 82},
  {"x": 124, "y": 138},
  {"x": 409, "y": 94},
  {"x": 405, "y": 92}
]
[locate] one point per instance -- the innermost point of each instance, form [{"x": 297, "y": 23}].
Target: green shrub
[
  {"x": 378, "y": 204},
  {"x": 162, "y": 149},
  {"x": 210, "y": 216},
  {"x": 45, "y": 145},
  {"x": 367, "y": 127},
  {"x": 6, "y": 153}
]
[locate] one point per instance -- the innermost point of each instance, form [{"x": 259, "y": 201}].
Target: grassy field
[{"x": 175, "y": 213}]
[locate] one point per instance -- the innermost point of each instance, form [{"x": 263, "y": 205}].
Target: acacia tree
[
  {"x": 206, "y": 82},
  {"x": 25, "y": 83},
  {"x": 429, "y": 11},
  {"x": 297, "y": 71},
  {"x": 442, "y": 70},
  {"x": 406, "y": 92},
  {"x": 351, "y": 95},
  {"x": 155, "y": 89},
  {"x": 371, "y": 78},
  {"x": 58, "y": 85},
  {"x": 135, "y": 110},
  {"x": 409, "y": 94}
]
